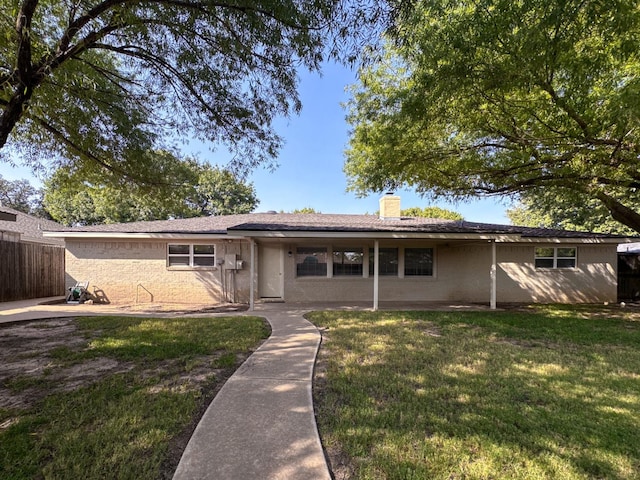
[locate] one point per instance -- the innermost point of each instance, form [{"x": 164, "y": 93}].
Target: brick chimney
[{"x": 390, "y": 207}]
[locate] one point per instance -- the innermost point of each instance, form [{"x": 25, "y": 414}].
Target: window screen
[
  {"x": 418, "y": 262},
  {"x": 388, "y": 261},
  {"x": 311, "y": 261},
  {"x": 347, "y": 261},
  {"x": 555, "y": 257},
  {"x": 191, "y": 255}
]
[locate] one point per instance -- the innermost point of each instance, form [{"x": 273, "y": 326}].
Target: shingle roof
[
  {"x": 314, "y": 222},
  {"x": 29, "y": 227}
]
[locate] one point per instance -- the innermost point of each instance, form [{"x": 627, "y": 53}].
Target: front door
[{"x": 270, "y": 279}]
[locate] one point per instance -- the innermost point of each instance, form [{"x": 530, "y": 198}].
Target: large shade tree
[
  {"x": 548, "y": 210},
  {"x": 196, "y": 189},
  {"x": 101, "y": 82},
  {"x": 22, "y": 196},
  {"x": 496, "y": 97}
]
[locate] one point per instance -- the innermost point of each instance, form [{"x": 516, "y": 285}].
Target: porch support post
[
  {"x": 376, "y": 269},
  {"x": 252, "y": 274},
  {"x": 494, "y": 276}
]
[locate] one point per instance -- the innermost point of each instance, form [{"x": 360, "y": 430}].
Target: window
[
  {"x": 388, "y": 261},
  {"x": 555, "y": 257},
  {"x": 311, "y": 261},
  {"x": 347, "y": 261},
  {"x": 190, "y": 255},
  {"x": 418, "y": 262}
]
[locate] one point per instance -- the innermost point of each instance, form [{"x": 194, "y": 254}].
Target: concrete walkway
[{"x": 261, "y": 424}]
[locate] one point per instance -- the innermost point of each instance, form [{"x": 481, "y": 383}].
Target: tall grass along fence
[{"x": 30, "y": 270}]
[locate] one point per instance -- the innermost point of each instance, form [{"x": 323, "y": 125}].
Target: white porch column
[
  {"x": 494, "y": 276},
  {"x": 376, "y": 269},
  {"x": 252, "y": 275}
]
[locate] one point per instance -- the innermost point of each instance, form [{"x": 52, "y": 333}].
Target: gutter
[{"x": 143, "y": 236}]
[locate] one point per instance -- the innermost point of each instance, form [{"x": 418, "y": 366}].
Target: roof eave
[
  {"x": 141, "y": 235},
  {"x": 310, "y": 234},
  {"x": 487, "y": 236}
]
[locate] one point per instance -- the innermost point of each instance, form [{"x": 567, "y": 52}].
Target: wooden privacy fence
[{"x": 29, "y": 270}]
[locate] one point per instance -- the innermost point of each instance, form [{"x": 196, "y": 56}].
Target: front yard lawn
[
  {"x": 545, "y": 394},
  {"x": 111, "y": 397}
]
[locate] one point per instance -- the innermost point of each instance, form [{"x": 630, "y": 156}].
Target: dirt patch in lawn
[
  {"x": 35, "y": 361},
  {"x": 28, "y": 370}
]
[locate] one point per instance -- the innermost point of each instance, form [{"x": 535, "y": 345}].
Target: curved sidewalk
[{"x": 261, "y": 425}]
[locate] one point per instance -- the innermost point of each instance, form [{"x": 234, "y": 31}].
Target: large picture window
[
  {"x": 311, "y": 261},
  {"x": 191, "y": 255},
  {"x": 347, "y": 261},
  {"x": 418, "y": 262},
  {"x": 388, "y": 261},
  {"x": 555, "y": 257}
]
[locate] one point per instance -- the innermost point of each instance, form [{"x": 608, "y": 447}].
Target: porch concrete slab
[{"x": 51, "y": 307}]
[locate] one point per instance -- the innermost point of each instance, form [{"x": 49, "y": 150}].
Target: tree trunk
[
  {"x": 620, "y": 212},
  {"x": 11, "y": 114},
  {"x": 21, "y": 79}
]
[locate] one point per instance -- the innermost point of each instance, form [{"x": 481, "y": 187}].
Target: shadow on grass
[
  {"x": 131, "y": 419},
  {"x": 481, "y": 395}
]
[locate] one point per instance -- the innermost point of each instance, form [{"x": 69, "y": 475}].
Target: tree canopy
[
  {"x": 495, "y": 97},
  {"x": 431, "y": 212},
  {"x": 22, "y": 196},
  {"x": 197, "y": 189},
  {"x": 305, "y": 210},
  {"x": 546, "y": 210},
  {"x": 101, "y": 82}
]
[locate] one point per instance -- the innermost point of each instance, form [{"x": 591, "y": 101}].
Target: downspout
[
  {"x": 376, "y": 270},
  {"x": 252, "y": 274},
  {"x": 494, "y": 276}
]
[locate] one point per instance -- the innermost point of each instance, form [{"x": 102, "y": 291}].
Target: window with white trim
[
  {"x": 191, "y": 255},
  {"x": 555, "y": 257}
]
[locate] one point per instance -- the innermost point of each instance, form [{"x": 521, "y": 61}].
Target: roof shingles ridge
[{"x": 220, "y": 224}]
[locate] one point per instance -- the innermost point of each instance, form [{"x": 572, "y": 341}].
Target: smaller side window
[
  {"x": 190, "y": 255},
  {"x": 203, "y": 256},
  {"x": 555, "y": 257},
  {"x": 178, "y": 256}
]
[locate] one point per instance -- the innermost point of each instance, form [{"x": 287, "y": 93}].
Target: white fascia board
[
  {"x": 574, "y": 240},
  {"x": 143, "y": 236},
  {"x": 248, "y": 234},
  {"x": 497, "y": 237}
]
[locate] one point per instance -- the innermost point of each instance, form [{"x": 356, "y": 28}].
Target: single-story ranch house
[{"x": 339, "y": 258}]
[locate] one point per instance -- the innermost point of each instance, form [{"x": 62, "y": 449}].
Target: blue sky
[{"x": 310, "y": 163}]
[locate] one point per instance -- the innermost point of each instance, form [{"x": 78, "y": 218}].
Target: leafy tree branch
[{"x": 492, "y": 97}]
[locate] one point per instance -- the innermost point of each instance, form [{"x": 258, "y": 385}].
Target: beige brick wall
[
  {"x": 462, "y": 274},
  {"x": 594, "y": 279},
  {"x": 136, "y": 271}
]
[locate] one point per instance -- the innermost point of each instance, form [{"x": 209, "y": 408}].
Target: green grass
[
  {"x": 548, "y": 394},
  {"x": 121, "y": 424}
]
